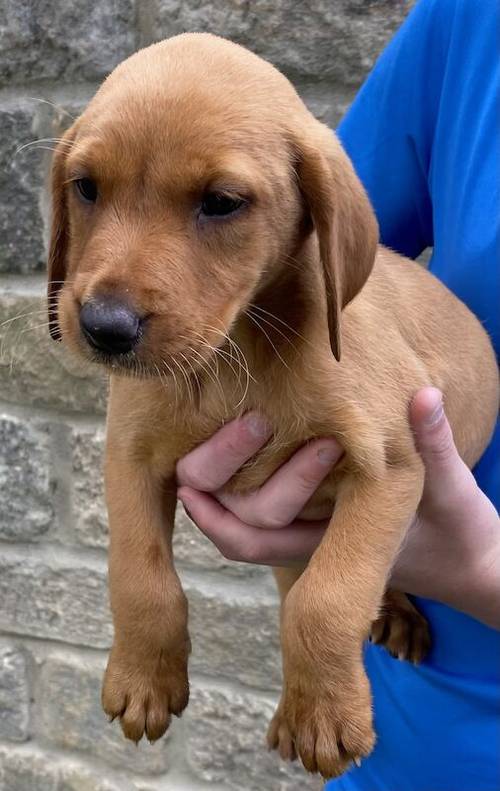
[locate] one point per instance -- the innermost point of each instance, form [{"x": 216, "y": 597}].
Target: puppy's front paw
[
  {"x": 145, "y": 693},
  {"x": 329, "y": 722}
]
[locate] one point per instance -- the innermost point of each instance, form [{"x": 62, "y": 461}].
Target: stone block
[
  {"x": 25, "y": 479},
  {"x": 234, "y": 630},
  {"x": 233, "y": 624},
  {"x": 21, "y": 180},
  {"x": 14, "y": 694},
  {"x": 34, "y": 369},
  {"x": 26, "y": 771},
  {"x": 71, "y": 717},
  {"x": 337, "y": 41},
  {"x": 226, "y": 744},
  {"x": 89, "y": 508},
  {"x": 31, "y": 769},
  {"x": 69, "y": 39},
  {"x": 48, "y": 594}
]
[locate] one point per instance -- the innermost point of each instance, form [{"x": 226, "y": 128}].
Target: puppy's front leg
[
  {"x": 326, "y": 702},
  {"x": 146, "y": 678}
]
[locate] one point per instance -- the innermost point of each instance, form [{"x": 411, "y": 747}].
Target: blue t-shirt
[{"x": 424, "y": 136}]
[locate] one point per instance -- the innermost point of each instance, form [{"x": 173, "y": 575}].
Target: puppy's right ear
[{"x": 58, "y": 248}]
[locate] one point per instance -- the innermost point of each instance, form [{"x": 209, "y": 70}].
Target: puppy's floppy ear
[
  {"x": 342, "y": 216},
  {"x": 56, "y": 265}
]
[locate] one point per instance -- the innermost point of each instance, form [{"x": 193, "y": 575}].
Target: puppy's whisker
[
  {"x": 38, "y": 326},
  {"x": 35, "y": 143},
  {"x": 273, "y": 327},
  {"x": 184, "y": 374},
  {"x": 54, "y": 105},
  {"x": 277, "y": 318},
  {"x": 195, "y": 377},
  {"x": 261, "y": 328},
  {"x": 172, "y": 374},
  {"x": 38, "y": 312}
]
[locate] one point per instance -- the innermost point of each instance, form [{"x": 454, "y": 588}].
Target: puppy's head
[{"x": 181, "y": 191}]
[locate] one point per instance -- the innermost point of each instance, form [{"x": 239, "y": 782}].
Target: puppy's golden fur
[{"x": 315, "y": 326}]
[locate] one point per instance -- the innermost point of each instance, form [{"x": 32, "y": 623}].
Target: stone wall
[{"x": 54, "y": 621}]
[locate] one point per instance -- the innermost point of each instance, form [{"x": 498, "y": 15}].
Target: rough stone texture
[
  {"x": 89, "y": 509},
  {"x": 336, "y": 41},
  {"x": 234, "y": 630},
  {"x": 28, "y": 769},
  {"x": 21, "y": 226},
  {"x": 220, "y": 752},
  {"x": 14, "y": 694},
  {"x": 58, "y": 598},
  {"x": 47, "y": 595},
  {"x": 71, "y": 717},
  {"x": 66, "y": 38},
  {"x": 27, "y": 488},
  {"x": 35, "y": 369}
]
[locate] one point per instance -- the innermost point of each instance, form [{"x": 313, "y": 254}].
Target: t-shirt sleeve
[{"x": 388, "y": 131}]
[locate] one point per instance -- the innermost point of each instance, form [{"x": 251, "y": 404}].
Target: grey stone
[
  {"x": 234, "y": 630},
  {"x": 25, "y": 480},
  {"x": 329, "y": 41},
  {"x": 71, "y": 717},
  {"x": 21, "y": 179},
  {"x": 233, "y": 624},
  {"x": 89, "y": 509},
  {"x": 226, "y": 733},
  {"x": 72, "y": 39},
  {"x": 26, "y": 771},
  {"x": 325, "y": 103},
  {"x": 14, "y": 695},
  {"x": 31, "y": 769},
  {"x": 34, "y": 369},
  {"x": 78, "y": 778},
  {"x": 47, "y": 594}
]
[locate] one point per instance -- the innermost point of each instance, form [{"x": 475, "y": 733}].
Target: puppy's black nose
[{"x": 109, "y": 325}]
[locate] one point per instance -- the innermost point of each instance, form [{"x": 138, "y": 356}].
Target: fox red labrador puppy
[{"x": 213, "y": 248}]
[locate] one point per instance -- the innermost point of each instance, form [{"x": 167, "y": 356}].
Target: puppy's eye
[
  {"x": 216, "y": 204},
  {"x": 87, "y": 189}
]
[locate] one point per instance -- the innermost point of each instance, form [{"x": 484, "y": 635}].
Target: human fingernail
[
  {"x": 329, "y": 454},
  {"x": 257, "y": 425},
  {"x": 435, "y": 416}
]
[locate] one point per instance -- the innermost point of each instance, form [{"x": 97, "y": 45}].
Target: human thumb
[{"x": 444, "y": 469}]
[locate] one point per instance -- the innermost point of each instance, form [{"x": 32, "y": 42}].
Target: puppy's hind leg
[{"x": 401, "y": 629}]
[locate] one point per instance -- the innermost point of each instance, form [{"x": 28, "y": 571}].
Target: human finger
[
  {"x": 247, "y": 543},
  {"x": 214, "y": 462},
  {"x": 278, "y": 502}
]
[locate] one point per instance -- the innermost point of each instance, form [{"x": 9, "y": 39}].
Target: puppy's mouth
[{"x": 114, "y": 336}]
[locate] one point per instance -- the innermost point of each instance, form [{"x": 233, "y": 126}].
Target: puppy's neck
[{"x": 285, "y": 314}]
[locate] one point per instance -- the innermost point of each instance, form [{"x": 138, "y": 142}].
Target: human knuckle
[{"x": 268, "y": 519}]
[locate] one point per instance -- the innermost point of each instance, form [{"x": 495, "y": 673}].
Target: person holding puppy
[{"x": 423, "y": 136}]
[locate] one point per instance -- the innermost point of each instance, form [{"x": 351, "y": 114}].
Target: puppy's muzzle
[{"x": 110, "y": 326}]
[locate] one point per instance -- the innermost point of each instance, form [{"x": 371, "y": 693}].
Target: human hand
[
  {"x": 260, "y": 527},
  {"x": 451, "y": 552}
]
